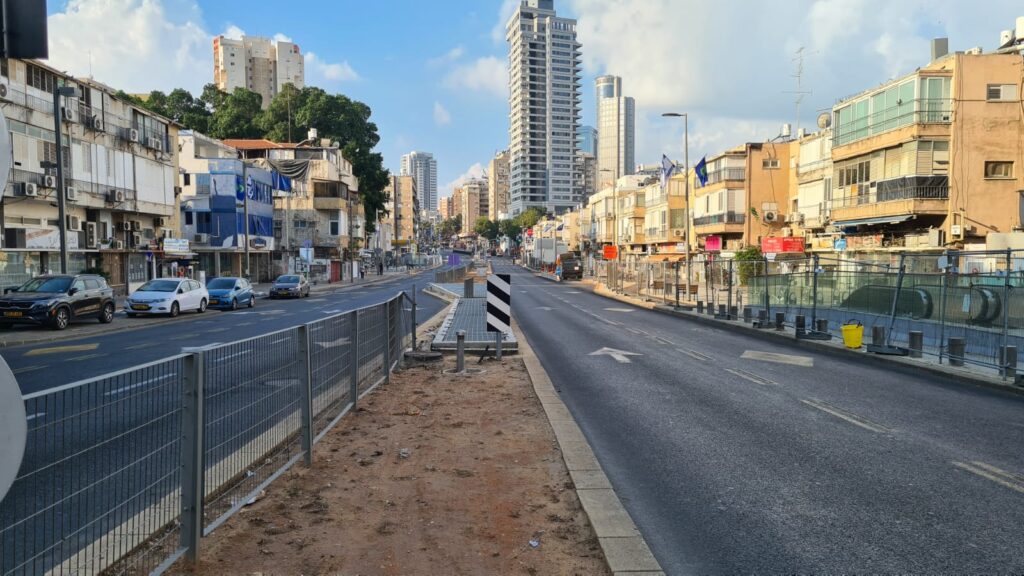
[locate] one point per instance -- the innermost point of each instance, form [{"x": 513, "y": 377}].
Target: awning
[{"x": 872, "y": 221}]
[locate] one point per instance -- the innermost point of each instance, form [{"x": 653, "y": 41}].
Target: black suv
[
  {"x": 56, "y": 300},
  {"x": 572, "y": 268}
]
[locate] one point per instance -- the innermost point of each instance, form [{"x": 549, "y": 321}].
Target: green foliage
[
  {"x": 449, "y": 227},
  {"x": 750, "y": 263},
  {"x": 510, "y": 228},
  {"x": 237, "y": 116},
  {"x": 486, "y": 228},
  {"x": 530, "y": 217}
]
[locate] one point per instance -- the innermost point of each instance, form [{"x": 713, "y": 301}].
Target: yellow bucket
[{"x": 853, "y": 334}]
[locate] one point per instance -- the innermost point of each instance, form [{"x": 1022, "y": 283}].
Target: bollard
[
  {"x": 748, "y": 314},
  {"x": 915, "y": 343},
  {"x": 467, "y": 288},
  {"x": 460, "y": 350},
  {"x": 734, "y": 313},
  {"x": 801, "y": 326},
  {"x": 956, "y": 347},
  {"x": 780, "y": 321},
  {"x": 700, "y": 306},
  {"x": 497, "y": 345},
  {"x": 1008, "y": 362},
  {"x": 878, "y": 335},
  {"x": 721, "y": 311},
  {"x": 821, "y": 326},
  {"x": 762, "y": 318}
]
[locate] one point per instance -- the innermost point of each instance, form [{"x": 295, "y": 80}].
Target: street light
[
  {"x": 70, "y": 92},
  {"x": 615, "y": 219},
  {"x": 686, "y": 180}
]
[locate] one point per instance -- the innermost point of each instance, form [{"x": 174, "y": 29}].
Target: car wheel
[
  {"x": 61, "y": 319},
  {"x": 234, "y": 303},
  {"x": 252, "y": 301},
  {"x": 202, "y": 306},
  {"x": 175, "y": 309},
  {"x": 107, "y": 313}
]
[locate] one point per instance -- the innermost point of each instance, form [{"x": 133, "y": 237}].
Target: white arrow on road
[
  {"x": 619, "y": 309},
  {"x": 545, "y": 308},
  {"x": 335, "y": 343},
  {"x": 621, "y": 356}
]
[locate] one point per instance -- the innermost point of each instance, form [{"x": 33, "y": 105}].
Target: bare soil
[{"x": 433, "y": 474}]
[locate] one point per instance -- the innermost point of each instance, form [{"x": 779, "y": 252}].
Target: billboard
[{"x": 781, "y": 245}]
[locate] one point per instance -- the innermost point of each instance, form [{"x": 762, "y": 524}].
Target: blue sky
[{"x": 434, "y": 71}]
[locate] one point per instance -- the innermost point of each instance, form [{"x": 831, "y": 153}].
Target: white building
[
  {"x": 423, "y": 167},
  {"x": 258, "y": 64},
  {"x": 544, "y": 101},
  {"x": 616, "y": 122}
]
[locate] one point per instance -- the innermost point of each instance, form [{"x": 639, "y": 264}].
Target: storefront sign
[
  {"x": 175, "y": 246},
  {"x": 258, "y": 243},
  {"x": 681, "y": 247},
  {"x": 611, "y": 252},
  {"x": 713, "y": 244},
  {"x": 48, "y": 239},
  {"x": 777, "y": 244}
]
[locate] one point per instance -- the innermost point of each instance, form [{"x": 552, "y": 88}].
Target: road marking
[
  {"x": 695, "y": 355},
  {"x": 990, "y": 472},
  {"x": 32, "y": 417},
  {"x": 141, "y": 346},
  {"x": 805, "y": 361},
  {"x": 85, "y": 357},
  {"x": 545, "y": 308},
  {"x": 139, "y": 384},
  {"x": 29, "y": 368},
  {"x": 751, "y": 377},
  {"x": 847, "y": 416},
  {"x": 63, "y": 349},
  {"x": 317, "y": 300},
  {"x": 218, "y": 330},
  {"x": 334, "y": 343},
  {"x": 664, "y": 340},
  {"x": 235, "y": 355},
  {"x": 619, "y": 309},
  {"x": 182, "y": 337},
  {"x": 574, "y": 292},
  {"x": 244, "y": 324},
  {"x": 333, "y": 311},
  {"x": 620, "y": 356}
]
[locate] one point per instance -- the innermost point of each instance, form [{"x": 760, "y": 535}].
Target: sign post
[{"x": 499, "y": 308}]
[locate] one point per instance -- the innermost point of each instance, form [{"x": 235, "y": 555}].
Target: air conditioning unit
[
  {"x": 69, "y": 113},
  {"x": 96, "y": 123},
  {"x": 117, "y": 245},
  {"x": 957, "y": 231},
  {"x": 91, "y": 233},
  {"x": 159, "y": 222},
  {"x": 71, "y": 193},
  {"x": 136, "y": 239},
  {"x": 976, "y": 51},
  {"x": 202, "y": 238},
  {"x": 131, "y": 135},
  {"x": 771, "y": 216},
  {"x": 136, "y": 225},
  {"x": 155, "y": 143},
  {"x": 49, "y": 181},
  {"x": 26, "y": 189},
  {"x": 678, "y": 233},
  {"x": 74, "y": 223},
  {"x": 115, "y": 196},
  {"x": 5, "y": 89},
  {"x": 126, "y": 226},
  {"x": 795, "y": 217}
]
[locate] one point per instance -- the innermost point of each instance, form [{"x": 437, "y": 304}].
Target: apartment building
[
  {"x": 423, "y": 167},
  {"x": 472, "y": 202},
  {"x": 585, "y": 175},
  {"x": 631, "y": 198},
  {"x": 445, "y": 208},
  {"x": 258, "y": 64},
  {"x": 932, "y": 159},
  {"x": 119, "y": 165},
  {"x": 406, "y": 213},
  {"x": 811, "y": 202},
  {"x": 544, "y": 102},
  {"x": 320, "y": 223},
  {"x": 218, "y": 192},
  {"x": 497, "y": 187},
  {"x": 616, "y": 122},
  {"x": 665, "y": 220}
]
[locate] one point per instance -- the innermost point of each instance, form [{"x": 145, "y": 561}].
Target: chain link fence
[{"x": 124, "y": 473}]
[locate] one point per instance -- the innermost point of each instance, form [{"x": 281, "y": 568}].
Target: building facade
[
  {"x": 258, "y": 64},
  {"x": 406, "y": 214},
  {"x": 544, "y": 82},
  {"x": 616, "y": 121},
  {"x": 585, "y": 175},
  {"x": 498, "y": 187},
  {"x": 445, "y": 209},
  {"x": 119, "y": 164},
  {"x": 472, "y": 202},
  {"x": 586, "y": 140},
  {"x": 423, "y": 167}
]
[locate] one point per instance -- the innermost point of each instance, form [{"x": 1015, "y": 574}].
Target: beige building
[
  {"x": 497, "y": 187},
  {"x": 665, "y": 220},
  {"x": 406, "y": 214},
  {"x": 445, "y": 208},
  {"x": 471, "y": 202},
  {"x": 258, "y": 64}
]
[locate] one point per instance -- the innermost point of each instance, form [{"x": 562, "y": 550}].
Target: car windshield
[
  {"x": 159, "y": 286},
  {"x": 221, "y": 284},
  {"x": 288, "y": 280},
  {"x": 60, "y": 284}
]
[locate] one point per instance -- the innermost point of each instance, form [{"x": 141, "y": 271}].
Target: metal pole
[
  {"x": 497, "y": 345},
  {"x": 303, "y": 337},
  {"x": 460, "y": 349},
  {"x": 942, "y": 311},
  {"x": 245, "y": 211},
  {"x": 767, "y": 301},
  {"x": 895, "y": 299},
  {"x": 192, "y": 473},
  {"x": 676, "y": 273},
  {"x": 729, "y": 315},
  {"x": 814, "y": 294},
  {"x": 686, "y": 160},
  {"x": 387, "y": 341},
  {"x": 354, "y": 327},
  {"x": 1006, "y": 306},
  {"x": 414, "y": 316},
  {"x": 61, "y": 200}
]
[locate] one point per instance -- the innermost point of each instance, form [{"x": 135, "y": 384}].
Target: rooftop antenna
[{"x": 799, "y": 94}]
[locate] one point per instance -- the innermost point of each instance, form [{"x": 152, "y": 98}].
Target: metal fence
[
  {"x": 124, "y": 473},
  {"x": 451, "y": 275}
]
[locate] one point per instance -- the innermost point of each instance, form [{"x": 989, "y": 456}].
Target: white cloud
[
  {"x": 318, "y": 70},
  {"x": 441, "y": 116},
  {"x": 475, "y": 171},
  {"x": 279, "y": 37},
  {"x": 448, "y": 57},
  {"x": 488, "y": 75},
  {"x": 508, "y": 7},
  {"x": 233, "y": 32}
]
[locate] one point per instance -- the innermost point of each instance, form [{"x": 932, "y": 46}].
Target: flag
[
  {"x": 701, "y": 170},
  {"x": 561, "y": 225},
  {"x": 667, "y": 169}
]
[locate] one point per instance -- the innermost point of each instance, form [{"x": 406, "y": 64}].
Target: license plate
[
  {"x": 140, "y": 307},
  {"x": 212, "y": 301},
  {"x": 14, "y": 314}
]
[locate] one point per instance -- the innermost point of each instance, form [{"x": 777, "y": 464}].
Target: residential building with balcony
[
  {"x": 601, "y": 212},
  {"x": 497, "y": 187},
  {"x": 472, "y": 202},
  {"x": 119, "y": 166},
  {"x": 585, "y": 175},
  {"x": 665, "y": 220},
  {"x": 320, "y": 223},
  {"x": 630, "y": 216},
  {"x": 404, "y": 213},
  {"x": 811, "y": 202},
  {"x": 936, "y": 150}
]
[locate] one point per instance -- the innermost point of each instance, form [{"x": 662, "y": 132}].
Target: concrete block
[
  {"x": 590, "y": 480},
  {"x": 628, "y": 555},
  {"x": 607, "y": 516}
]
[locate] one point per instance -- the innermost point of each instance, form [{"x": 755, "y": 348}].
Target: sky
[{"x": 434, "y": 72}]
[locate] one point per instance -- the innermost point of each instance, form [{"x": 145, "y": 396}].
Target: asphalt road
[{"x": 733, "y": 461}]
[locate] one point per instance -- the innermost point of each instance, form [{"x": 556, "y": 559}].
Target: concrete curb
[
  {"x": 903, "y": 365},
  {"x": 625, "y": 549}
]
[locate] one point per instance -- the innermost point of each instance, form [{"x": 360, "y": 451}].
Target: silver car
[{"x": 290, "y": 286}]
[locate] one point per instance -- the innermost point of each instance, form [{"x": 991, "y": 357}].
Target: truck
[{"x": 547, "y": 250}]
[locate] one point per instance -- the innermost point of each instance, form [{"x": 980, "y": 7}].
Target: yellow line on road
[
  {"x": 990, "y": 472},
  {"x": 63, "y": 349},
  {"x": 847, "y": 416}
]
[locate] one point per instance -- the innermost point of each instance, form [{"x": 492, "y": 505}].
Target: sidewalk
[{"x": 421, "y": 479}]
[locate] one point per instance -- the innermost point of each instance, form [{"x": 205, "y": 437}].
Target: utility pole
[
  {"x": 689, "y": 217},
  {"x": 245, "y": 212},
  {"x": 59, "y": 91}
]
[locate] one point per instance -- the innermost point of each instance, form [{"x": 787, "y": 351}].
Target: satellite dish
[
  {"x": 13, "y": 428},
  {"x": 824, "y": 120}
]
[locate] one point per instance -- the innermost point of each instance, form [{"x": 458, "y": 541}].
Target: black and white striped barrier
[{"x": 499, "y": 308}]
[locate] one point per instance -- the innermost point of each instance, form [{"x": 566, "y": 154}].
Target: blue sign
[
  {"x": 240, "y": 190},
  {"x": 840, "y": 244},
  {"x": 307, "y": 244},
  {"x": 250, "y": 187}
]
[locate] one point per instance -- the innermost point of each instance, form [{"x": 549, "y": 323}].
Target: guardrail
[{"x": 124, "y": 473}]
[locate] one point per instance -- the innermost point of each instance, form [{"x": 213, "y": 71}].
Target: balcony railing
[
  {"x": 723, "y": 174},
  {"x": 908, "y": 188},
  {"x": 919, "y": 111},
  {"x": 726, "y": 218}
]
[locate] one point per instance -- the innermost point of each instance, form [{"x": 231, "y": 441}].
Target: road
[
  {"x": 736, "y": 455},
  {"x": 92, "y": 445}
]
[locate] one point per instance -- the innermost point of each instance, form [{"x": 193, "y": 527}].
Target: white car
[{"x": 168, "y": 296}]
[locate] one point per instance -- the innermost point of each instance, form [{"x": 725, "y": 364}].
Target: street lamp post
[
  {"x": 686, "y": 179},
  {"x": 70, "y": 92},
  {"x": 615, "y": 222}
]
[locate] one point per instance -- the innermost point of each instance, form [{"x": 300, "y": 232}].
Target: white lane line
[
  {"x": 32, "y": 417},
  {"x": 750, "y": 377},
  {"x": 664, "y": 341},
  {"x": 139, "y": 384},
  {"x": 29, "y": 368},
  {"x": 333, "y": 311},
  {"x": 619, "y": 309},
  {"x": 695, "y": 355},
  {"x": 990, "y": 472},
  {"x": 235, "y": 355},
  {"x": 805, "y": 361},
  {"x": 847, "y": 416}
]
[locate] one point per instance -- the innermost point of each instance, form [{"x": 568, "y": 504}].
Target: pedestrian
[
  {"x": 362, "y": 271},
  {"x": 380, "y": 268}
]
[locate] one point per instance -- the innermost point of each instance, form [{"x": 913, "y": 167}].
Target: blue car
[{"x": 230, "y": 293}]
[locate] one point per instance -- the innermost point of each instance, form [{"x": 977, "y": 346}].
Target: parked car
[
  {"x": 290, "y": 286},
  {"x": 229, "y": 293},
  {"x": 168, "y": 296},
  {"x": 56, "y": 300},
  {"x": 572, "y": 268}
]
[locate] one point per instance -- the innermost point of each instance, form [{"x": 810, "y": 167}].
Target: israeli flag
[{"x": 668, "y": 168}]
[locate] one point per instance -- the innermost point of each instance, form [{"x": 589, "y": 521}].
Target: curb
[{"x": 624, "y": 548}]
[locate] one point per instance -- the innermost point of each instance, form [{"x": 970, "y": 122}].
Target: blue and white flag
[{"x": 668, "y": 168}]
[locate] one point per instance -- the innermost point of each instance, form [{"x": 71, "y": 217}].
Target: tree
[
  {"x": 750, "y": 263},
  {"x": 237, "y": 116},
  {"x": 486, "y": 228},
  {"x": 449, "y": 227},
  {"x": 530, "y": 217},
  {"x": 510, "y": 228}
]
